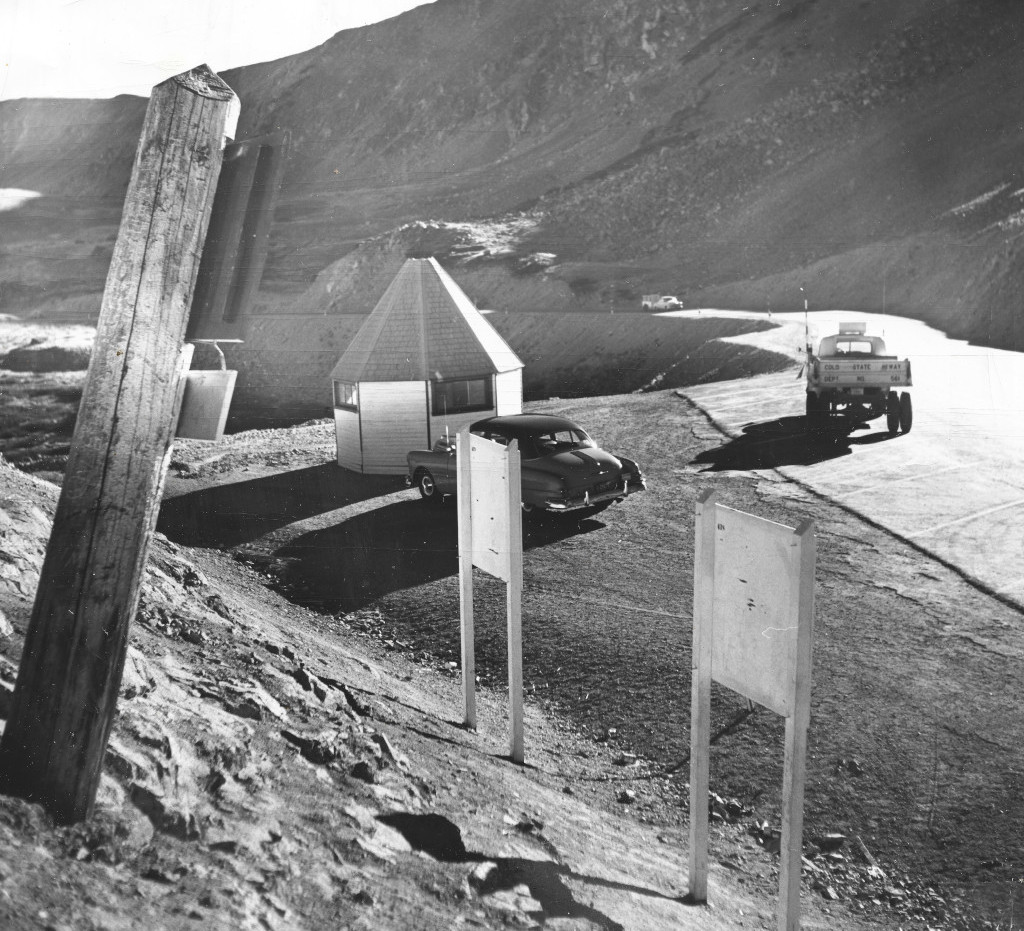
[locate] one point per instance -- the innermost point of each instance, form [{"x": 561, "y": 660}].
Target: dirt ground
[
  {"x": 272, "y": 767},
  {"x": 286, "y": 572},
  {"x": 905, "y": 756}
]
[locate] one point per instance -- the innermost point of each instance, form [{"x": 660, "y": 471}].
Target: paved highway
[{"x": 954, "y": 486}]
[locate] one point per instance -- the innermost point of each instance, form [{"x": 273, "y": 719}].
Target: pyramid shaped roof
[{"x": 424, "y": 327}]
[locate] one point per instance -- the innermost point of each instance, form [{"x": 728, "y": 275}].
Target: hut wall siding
[
  {"x": 346, "y": 438},
  {"x": 394, "y": 421},
  {"x": 508, "y": 392}
]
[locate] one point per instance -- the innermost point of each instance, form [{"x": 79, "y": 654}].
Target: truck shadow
[
  {"x": 782, "y": 442},
  {"x": 400, "y": 545},
  {"x": 229, "y": 515}
]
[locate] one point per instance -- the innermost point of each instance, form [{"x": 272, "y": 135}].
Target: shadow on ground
[
  {"x": 783, "y": 442},
  {"x": 400, "y": 545},
  {"x": 225, "y": 516},
  {"x": 441, "y": 839}
]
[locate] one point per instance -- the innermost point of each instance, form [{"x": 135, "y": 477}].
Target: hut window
[
  {"x": 462, "y": 394},
  {"x": 346, "y": 396}
]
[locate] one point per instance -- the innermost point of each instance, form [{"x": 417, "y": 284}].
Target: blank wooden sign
[
  {"x": 205, "y": 404},
  {"x": 491, "y": 538},
  {"x": 491, "y": 496},
  {"x": 753, "y": 609},
  {"x": 754, "y": 643}
]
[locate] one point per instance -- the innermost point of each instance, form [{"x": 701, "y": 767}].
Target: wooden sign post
[
  {"x": 753, "y": 613},
  {"x": 491, "y": 537},
  {"x": 66, "y": 694}
]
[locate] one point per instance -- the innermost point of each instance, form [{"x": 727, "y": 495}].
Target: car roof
[{"x": 525, "y": 424}]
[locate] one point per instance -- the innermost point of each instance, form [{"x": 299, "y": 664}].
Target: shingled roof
[{"x": 424, "y": 327}]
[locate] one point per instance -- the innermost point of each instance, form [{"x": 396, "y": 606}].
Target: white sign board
[
  {"x": 489, "y": 488},
  {"x": 491, "y": 538},
  {"x": 753, "y": 610},
  {"x": 753, "y": 643}
]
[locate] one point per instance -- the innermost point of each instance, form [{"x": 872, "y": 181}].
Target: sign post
[
  {"x": 753, "y": 616},
  {"x": 491, "y": 538}
]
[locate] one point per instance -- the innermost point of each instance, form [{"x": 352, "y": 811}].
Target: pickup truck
[
  {"x": 852, "y": 379},
  {"x": 660, "y": 302}
]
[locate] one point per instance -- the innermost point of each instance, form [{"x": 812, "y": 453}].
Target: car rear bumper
[{"x": 587, "y": 500}]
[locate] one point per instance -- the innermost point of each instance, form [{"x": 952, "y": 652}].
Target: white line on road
[
  {"x": 967, "y": 519},
  {"x": 910, "y": 478},
  {"x": 842, "y": 471}
]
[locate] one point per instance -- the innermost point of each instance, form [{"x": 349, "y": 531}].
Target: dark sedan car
[{"x": 563, "y": 469}]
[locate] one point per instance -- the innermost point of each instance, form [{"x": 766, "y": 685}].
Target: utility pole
[{"x": 66, "y": 693}]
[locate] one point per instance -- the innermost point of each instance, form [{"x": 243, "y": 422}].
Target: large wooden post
[{"x": 66, "y": 694}]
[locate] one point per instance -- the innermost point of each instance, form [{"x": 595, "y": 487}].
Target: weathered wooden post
[{"x": 66, "y": 694}]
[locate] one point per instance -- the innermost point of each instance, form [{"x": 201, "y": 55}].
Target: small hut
[{"x": 425, "y": 361}]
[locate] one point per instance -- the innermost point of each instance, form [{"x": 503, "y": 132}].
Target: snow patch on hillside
[{"x": 11, "y": 198}]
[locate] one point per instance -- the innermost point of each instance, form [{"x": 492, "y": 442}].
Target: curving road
[{"x": 953, "y": 486}]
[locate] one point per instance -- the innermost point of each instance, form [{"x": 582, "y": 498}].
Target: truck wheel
[
  {"x": 892, "y": 413},
  {"x": 427, "y": 486},
  {"x": 906, "y": 412}
]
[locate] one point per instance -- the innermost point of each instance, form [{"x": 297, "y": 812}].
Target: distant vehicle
[
  {"x": 562, "y": 470},
  {"x": 852, "y": 379},
  {"x": 660, "y": 302}
]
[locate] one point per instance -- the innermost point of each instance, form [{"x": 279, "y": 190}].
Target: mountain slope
[{"x": 727, "y": 154}]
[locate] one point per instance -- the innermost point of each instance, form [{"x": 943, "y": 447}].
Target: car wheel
[
  {"x": 427, "y": 486},
  {"x": 892, "y": 413},
  {"x": 906, "y": 412}
]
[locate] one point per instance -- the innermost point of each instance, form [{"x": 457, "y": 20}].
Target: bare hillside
[{"x": 866, "y": 152}]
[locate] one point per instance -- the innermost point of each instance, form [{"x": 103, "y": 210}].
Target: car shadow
[
  {"x": 398, "y": 546},
  {"x": 783, "y": 442},
  {"x": 225, "y": 516}
]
